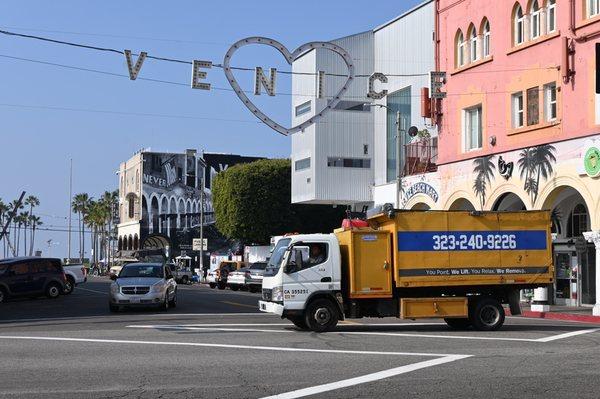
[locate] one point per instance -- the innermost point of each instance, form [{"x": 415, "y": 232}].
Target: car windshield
[
  {"x": 258, "y": 266},
  {"x": 142, "y": 271},
  {"x": 277, "y": 256}
]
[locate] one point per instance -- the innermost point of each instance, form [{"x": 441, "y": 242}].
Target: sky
[{"x": 51, "y": 115}]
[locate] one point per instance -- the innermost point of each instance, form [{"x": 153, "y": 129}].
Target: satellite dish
[{"x": 413, "y": 131}]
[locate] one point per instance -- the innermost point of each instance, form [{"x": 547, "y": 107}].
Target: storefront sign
[
  {"x": 591, "y": 161},
  {"x": 420, "y": 188}
]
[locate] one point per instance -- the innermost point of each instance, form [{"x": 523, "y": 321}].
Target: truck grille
[
  {"x": 267, "y": 294},
  {"x": 135, "y": 290}
]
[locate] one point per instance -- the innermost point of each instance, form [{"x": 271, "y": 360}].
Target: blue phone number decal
[{"x": 472, "y": 240}]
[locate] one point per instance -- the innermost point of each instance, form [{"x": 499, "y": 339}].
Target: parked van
[{"x": 31, "y": 276}]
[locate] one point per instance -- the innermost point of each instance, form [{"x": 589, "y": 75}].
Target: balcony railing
[{"x": 421, "y": 156}]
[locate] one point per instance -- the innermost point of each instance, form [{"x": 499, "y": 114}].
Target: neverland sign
[{"x": 261, "y": 81}]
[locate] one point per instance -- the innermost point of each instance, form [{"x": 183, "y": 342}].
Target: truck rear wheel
[
  {"x": 458, "y": 324},
  {"x": 487, "y": 315},
  {"x": 299, "y": 322},
  {"x": 321, "y": 315}
]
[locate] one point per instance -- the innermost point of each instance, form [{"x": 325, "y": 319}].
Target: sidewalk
[{"x": 567, "y": 313}]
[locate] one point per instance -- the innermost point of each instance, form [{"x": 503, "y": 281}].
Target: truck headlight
[
  {"x": 158, "y": 287},
  {"x": 277, "y": 294}
]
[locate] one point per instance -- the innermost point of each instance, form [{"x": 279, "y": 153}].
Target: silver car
[{"x": 143, "y": 285}]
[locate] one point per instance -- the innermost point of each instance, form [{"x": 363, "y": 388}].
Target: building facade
[
  {"x": 520, "y": 125},
  {"x": 349, "y": 157},
  {"x": 518, "y": 128},
  {"x": 161, "y": 196}
]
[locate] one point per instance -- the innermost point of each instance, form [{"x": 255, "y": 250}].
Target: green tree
[
  {"x": 34, "y": 221},
  {"x": 252, "y": 203}
]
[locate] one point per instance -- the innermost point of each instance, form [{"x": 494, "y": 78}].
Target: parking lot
[{"x": 216, "y": 345}]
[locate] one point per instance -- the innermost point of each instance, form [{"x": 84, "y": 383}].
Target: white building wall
[{"x": 403, "y": 46}]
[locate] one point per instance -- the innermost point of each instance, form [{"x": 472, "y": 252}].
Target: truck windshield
[{"x": 277, "y": 256}]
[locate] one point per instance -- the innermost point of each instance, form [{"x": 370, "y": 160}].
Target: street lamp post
[{"x": 399, "y": 146}]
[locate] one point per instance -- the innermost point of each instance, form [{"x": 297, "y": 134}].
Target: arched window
[
  {"x": 131, "y": 205},
  {"x": 551, "y": 16},
  {"x": 460, "y": 49},
  {"x": 486, "y": 39},
  {"x": 535, "y": 19},
  {"x": 519, "y": 25},
  {"x": 473, "y": 44},
  {"x": 579, "y": 221}
]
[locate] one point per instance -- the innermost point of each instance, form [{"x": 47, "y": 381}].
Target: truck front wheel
[
  {"x": 487, "y": 315},
  {"x": 299, "y": 322},
  {"x": 321, "y": 315}
]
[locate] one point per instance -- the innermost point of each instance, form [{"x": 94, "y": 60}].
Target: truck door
[{"x": 315, "y": 274}]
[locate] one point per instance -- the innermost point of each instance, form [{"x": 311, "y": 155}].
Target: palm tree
[
  {"x": 24, "y": 219},
  {"x": 34, "y": 221},
  {"x": 32, "y": 201},
  {"x": 110, "y": 202},
  {"x": 15, "y": 207},
  {"x": 3, "y": 216},
  {"x": 80, "y": 206},
  {"x": 543, "y": 158},
  {"x": 20, "y": 221},
  {"x": 484, "y": 169},
  {"x": 96, "y": 219}
]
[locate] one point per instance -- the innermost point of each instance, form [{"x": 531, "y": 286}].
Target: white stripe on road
[
  {"x": 229, "y": 346},
  {"x": 366, "y": 378},
  {"x": 567, "y": 335},
  {"x": 87, "y": 289},
  {"x": 226, "y": 327},
  {"x": 184, "y": 328},
  {"x": 139, "y": 315}
]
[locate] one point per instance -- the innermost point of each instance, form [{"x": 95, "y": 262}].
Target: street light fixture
[{"x": 399, "y": 146}]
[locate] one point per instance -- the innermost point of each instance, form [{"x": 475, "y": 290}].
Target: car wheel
[
  {"x": 299, "y": 322},
  {"x": 173, "y": 302},
  {"x": 221, "y": 286},
  {"x": 212, "y": 285},
  {"x": 3, "y": 295},
  {"x": 113, "y": 308},
  {"x": 252, "y": 289},
  {"x": 487, "y": 315},
  {"x": 321, "y": 315},
  {"x": 234, "y": 287},
  {"x": 69, "y": 286},
  {"x": 53, "y": 290},
  {"x": 458, "y": 324}
]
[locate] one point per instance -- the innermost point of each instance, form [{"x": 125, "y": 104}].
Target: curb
[{"x": 559, "y": 316}]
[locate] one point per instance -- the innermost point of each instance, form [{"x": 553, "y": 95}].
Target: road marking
[
  {"x": 366, "y": 378},
  {"x": 229, "y": 346},
  {"x": 159, "y": 315},
  {"x": 217, "y": 325},
  {"x": 241, "y": 304},
  {"x": 187, "y": 328},
  {"x": 567, "y": 335},
  {"x": 87, "y": 289},
  {"x": 394, "y": 334}
]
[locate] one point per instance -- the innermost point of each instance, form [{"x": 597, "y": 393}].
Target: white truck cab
[{"x": 302, "y": 281}]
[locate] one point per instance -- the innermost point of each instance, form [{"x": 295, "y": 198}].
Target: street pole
[
  {"x": 70, "y": 211},
  {"x": 201, "y": 266}
]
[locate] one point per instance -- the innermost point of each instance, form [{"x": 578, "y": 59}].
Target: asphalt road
[{"x": 215, "y": 345}]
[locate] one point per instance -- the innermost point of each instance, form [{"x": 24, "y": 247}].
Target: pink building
[{"x": 520, "y": 125}]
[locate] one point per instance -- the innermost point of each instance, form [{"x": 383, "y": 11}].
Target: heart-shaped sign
[{"x": 290, "y": 57}]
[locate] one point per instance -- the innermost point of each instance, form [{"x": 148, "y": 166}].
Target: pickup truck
[
  {"x": 182, "y": 275},
  {"x": 76, "y": 274}
]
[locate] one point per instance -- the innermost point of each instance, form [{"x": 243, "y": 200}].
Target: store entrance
[{"x": 565, "y": 285}]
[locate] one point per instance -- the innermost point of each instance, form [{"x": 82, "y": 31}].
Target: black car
[{"x": 31, "y": 276}]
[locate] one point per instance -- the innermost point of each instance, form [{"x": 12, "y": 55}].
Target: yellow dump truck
[{"x": 455, "y": 265}]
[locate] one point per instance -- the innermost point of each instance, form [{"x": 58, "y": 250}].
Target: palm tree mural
[
  {"x": 536, "y": 163},
  {"x": 483, "y": 168}
]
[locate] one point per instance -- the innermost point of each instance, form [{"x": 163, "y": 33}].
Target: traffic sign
[{"x": 200, "y": 245}]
